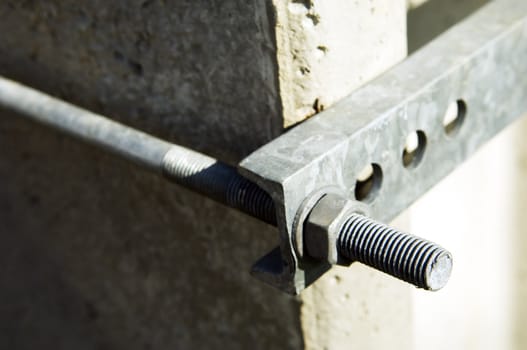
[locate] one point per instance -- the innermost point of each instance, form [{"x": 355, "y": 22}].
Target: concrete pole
[
  {"x": 325, "y": 50},
  {"x": 98, "y": 254}
]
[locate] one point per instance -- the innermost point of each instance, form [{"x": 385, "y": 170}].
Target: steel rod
[{"x": 194, "y": 170}]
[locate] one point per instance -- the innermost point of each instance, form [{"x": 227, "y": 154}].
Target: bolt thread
[
  {"x": 219, "y": 181},
  {"x": 250, "y": 198},
  {"x": 407, "y": 257}
]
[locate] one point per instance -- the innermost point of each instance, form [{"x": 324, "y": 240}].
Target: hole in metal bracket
[
  {"x": 414, "y": 148},
  {"x": 368, "y": 182},
  {"x": 454, "y": 116}
]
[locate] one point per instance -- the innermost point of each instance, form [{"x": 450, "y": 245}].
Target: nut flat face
[{"x": 322, "y": 226}]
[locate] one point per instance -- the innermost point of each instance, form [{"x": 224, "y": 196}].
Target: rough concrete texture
[
  {"x": 326, "y": 49},
  {"x": 335, "y": 47},
  {"x": 199, "y": 73},
  {"x": 97, "y": 254}
]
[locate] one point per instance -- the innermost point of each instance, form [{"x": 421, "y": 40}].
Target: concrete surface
[
  {"x": 326, "y": 49},
  {"x": 356, "y": 307},
  {"x": 199, "y": 73},
  {"x": 97, "y": 254}
]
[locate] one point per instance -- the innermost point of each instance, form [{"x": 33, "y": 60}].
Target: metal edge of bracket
[{"x": 480, "y": 64}]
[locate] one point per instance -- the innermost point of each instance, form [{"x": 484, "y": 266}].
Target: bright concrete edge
[{"x": 348, "y": 307}]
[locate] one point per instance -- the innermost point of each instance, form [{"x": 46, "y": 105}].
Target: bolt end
[{"x": 438, "y": 271}]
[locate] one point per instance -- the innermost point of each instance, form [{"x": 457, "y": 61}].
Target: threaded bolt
[
  {"x": 407, "y": 257},
  {"x": 219, "y": 181}
]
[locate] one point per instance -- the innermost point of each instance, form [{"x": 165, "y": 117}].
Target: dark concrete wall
[
  {"x": 199, "y": 73},
  {"x": 98, "y": 254}
]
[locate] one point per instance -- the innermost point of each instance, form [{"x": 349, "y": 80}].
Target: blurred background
[{"x": 479, "y": 213}]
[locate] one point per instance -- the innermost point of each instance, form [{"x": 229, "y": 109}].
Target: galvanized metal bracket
[{"x": 476, "y": 71}]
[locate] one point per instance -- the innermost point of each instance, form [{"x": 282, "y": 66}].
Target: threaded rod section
[
  {"x": 195, "y": 170},
  {"x": 407, "y": 257},
  {"x": 219, "y": 181}
]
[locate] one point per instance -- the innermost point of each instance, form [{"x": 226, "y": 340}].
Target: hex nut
[{"x": 322, "y": 227}]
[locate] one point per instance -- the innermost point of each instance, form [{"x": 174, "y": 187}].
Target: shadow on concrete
[{"x": 434, "y": 17}]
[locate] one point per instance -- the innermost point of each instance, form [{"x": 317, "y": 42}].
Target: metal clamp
[
  {"x": 411, "y": 127},
  {"x": 408, "y": 129}
]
